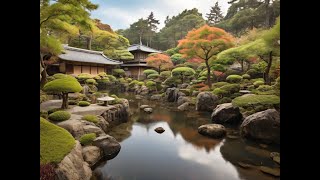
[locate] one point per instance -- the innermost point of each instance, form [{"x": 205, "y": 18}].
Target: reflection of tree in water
[{"x": 122, "y": 131}]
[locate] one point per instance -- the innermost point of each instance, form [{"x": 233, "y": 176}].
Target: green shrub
[
  {"x": 141, "y": 83},
  {"x": 64, "y": 85},
  {"x": 87, "y": 139},
  {"x": 202, "y": 78},
  {"x": 253, "y": 73},
  {"x": 277, "y": 86},
  {"x": 59, "y": 116},
  {"x": 165, "y": 74},
  {"x": 72, "y": 102},
  {"x": 246, "y": 76},
  {"x": 151, "y": 84},
  {"x": 234, "y": 95},
  {"x": 172, "y": 80},
  {"x": 43, "y": 97},
  {"x": 258, "y": 83},
  {"x": 102, "y": 74},
  {"x": 218, "y": 67},
  {"x": 185, "y": 71},
  {"x": 50, "y": 111},
  {"x": 153, "y": 76},
  {"x": 220, "y": 92},
  {"x": 83, "y": 103},
  {"x": 251, "y": 87},
  {"x": 254, "y": 100},
  {"x": 224, "y": 100},
  {"x": 118, "y": 72},
  {"x": 91, "y": 81},
  {"x": 91, "y": 118},
  {"x": 116, "y": 101},
  {"x": 55, "y": 142},
  {"x": 132, "y": 83},
  {"x": 112, "y": 78},
  {"x": 84, "y": 76},
  {"x": 129, "y": 80},
  {"x": 50, "y": 78},
  {"x": 218, "y": 84},
  {"x": 122, "y": 80},
  {"x": 231, "y": 88},
  {"x": 59, "y": 76},
  {"x": 44, "y": 114},
  {"x": 234, "y": 78},
  {"x": 97, "y": 77},
  {"x": 147, "y": 72},
  {"x": 264, "y": 88}
]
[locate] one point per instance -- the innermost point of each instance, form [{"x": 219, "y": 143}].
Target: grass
[
  {"x": 254, "y": 100},
  {"x": 59, "y": 116},
  {"x": 55, "y": 142},
  {"x": 90, "y": 118},
  {"x": 87, "y": 138}
]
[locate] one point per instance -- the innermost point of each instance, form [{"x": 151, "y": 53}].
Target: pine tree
[
  {"x": 215, "y": 14},
  {"x": 152, "y": 25}
]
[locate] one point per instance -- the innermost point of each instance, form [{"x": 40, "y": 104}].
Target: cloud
[{"x": 122, "y": 13}]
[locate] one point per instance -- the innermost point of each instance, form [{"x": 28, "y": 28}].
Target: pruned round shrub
[
  {"x": 147, "y": 72},
  {"x": 118, "y": 72},
  {"x": 172, "y": 81},
  {"x": 91, "y": 81},
  {"x": 91, "y": 118},
  {"x": 234, "y": 95},
  {"x": 64, "y": 85},
  {"x": 55, "y": 142},
  {"x": 150, "y": 84},
  {"x": 258, "y": 83},
  {"x": 50, "y": 111},
  {"x": 84, "y": 76},
  {"x": 50, "y": 78},
  {"x": 184, "y": 71},
  {"x": 122, "y": 80},
  {"x": 132, "y": 83},
  {"x": 83, "y": 103},
  {"x": 202, "y": 78},
  {"x": 219, "y": 92},
  {"x": 246, "y": 76},
  {"x": 165, "y": 74},
  {"x": 140, "y": 83},
  {"x": 129, "y": 80},
  {"x": 59, "y": 116},
  {"x": 97, "y": 77},
  {"x": 87, "y": 139},
  {"x": 224, "y": 100},
  {"x": 59, "y": 76},
  {"x": 234, "y": 78},
  {"x": 116, "y": 100},
  {"x": 231, "y": 88},
  {"x": 253, "y": 73},
  {"x": 112, "y": 78},
  {"x": 264, "y": 88},
  {"x": 251, "y": 87},
  {"x": 218, "y": 84},
  {"x": 153, "y": 76},
  {"x": 102, "y": 74}
]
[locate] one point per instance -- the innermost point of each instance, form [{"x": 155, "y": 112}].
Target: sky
[{"x": 119, "y": 14}]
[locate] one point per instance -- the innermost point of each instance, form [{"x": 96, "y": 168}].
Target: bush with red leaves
[
  {"x": 204, "y": 88},
  {"x": 47, "y": 172},
  {"x": 200, "y": 85}
]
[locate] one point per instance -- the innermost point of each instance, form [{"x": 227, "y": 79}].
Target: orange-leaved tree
[
  {"x": 159, "y": 61},
  {"x": 205, "y": 43}
]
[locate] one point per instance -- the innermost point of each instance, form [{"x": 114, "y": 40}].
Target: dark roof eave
[{"x": 91, "y": 62}]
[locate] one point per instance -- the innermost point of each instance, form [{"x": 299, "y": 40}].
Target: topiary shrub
[
  {"x": 58, "y": 76},
  {"x": 264, "y": 88},
  {"x": 258, "y": 83},
  {"x": 91, "y": 118},
  {"x": 202, "y": 78},
  {"x": 87, "y": 139},
  {"x": 165, "y": 74},
  {"x": 147, "y": 72},
  {"x": 234, "y": 78},
  {"x": 132, "y": 83},
  {"x": 172, "y": 81},
  {"x": 182, "y": 72},
  {"x": 231, "y": 88},
  {"x": 84, "y": 76},
  {"x": 122, "y": 80},
  {"x": 50, "y": 78},
  {"x": 55, "y": 142},
  {"x": 234, "y": 95},
  {"x": 97, "y": 77},
  {"x": 129, "y": 80},
  {"x": 140, "y": 83},
  {"x": 59, "y": 116},
  {"x": 116, "y": 101},
  {"x": 153, "y": 76},
  {"x": 50, "y": 111},
  {"x": 64, "y": 86},
  {"x": 224, "y": 100},
  {"x": 246, "y": 76},
  {"x": 118, "y": 72},
  {"x": 253, "y": 73},
  {"x": 91, "y": 81},
  {"x": 112, "y": 78},
  {"x": 218, "y": 84},
  {"x": 220, "y": 92},
  {"x": 151, "y": 84},
  {"x": 102, "y": 74},
  {"x": 83, "y": 103},
  {"x": 251, "y": 87}
]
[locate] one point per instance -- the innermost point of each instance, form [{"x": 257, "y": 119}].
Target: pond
[{"x": 180, "y": 152}]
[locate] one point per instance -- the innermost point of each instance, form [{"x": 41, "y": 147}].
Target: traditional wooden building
[
  {"x": 77, "y": 60},
  {"x": 134, "y": 68}
]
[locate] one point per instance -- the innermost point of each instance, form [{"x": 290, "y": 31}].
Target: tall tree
[
  {"x": 215, "y": 14},
  {"x": 205, "y": 43},
  {"x": 152, "y": 24}
]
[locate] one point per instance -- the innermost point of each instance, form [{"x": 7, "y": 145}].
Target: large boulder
[
  {"x": 212, "y": 130},
  {"x": 206, "y": 101},
  {"x": 184, "y": 106},
  {"x": 103, "y": 124},
  {"x": 91, "y": 154},
  {"x": 109, "y": 145},
  {"x": 73, "y": 166},
  {"x": 183, "y": 99},
  {"x": 264, "y": 126},
  {"x": 226, "y": 113},
  {"x": 171, "y": 94}
]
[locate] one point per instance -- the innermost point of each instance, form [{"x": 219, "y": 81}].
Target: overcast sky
[{"x": 119, "y": 14}]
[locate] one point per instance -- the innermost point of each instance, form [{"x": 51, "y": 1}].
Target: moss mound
[
  {"x": 59, "y": 116},
  {"x": 90, "y": 118},
  {"x": 87, "y": 138},
  {"x": 83, "y": 103},
  {"x": 55, "y": 142},
  {"x": 255, "y": 100}
]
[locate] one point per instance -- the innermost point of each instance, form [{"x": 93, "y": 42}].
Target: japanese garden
[{"x": 192, "y": 96}]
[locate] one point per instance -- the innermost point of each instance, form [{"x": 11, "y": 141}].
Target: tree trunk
[
  {"x": 89, "y": 40},
  {"x": 241, "y": 62},
  {"x": 64, "y": 101},
  {"x": 159, "y": 70},
  {"x": 249, "y": 66},
  {"x": 266, "y": 74},
  {"x": 43, "y": 73},
  {"x": 182, "y": 78},
  {"x": 208, "y": 74}
]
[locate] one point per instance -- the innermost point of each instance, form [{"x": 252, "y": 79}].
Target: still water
[{"x": 180, "y": 153}]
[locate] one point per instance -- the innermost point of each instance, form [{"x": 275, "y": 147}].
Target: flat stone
[
  {"x": 50, "y": 104},
  {"x": 147, "y": 110},
  {"x": 144, "y": 106},
  {"x": 93, "y": 109},
  {"x": 263, "y": 145},
  {"x": 271, "y": 171},
  {"x": 244, "y": 91},
  {"x": 212, "y": 130},
  {"x": 138, "y": 97},
  {"x": 159, "y": 130},
  {"x": 232, "y": 137}
]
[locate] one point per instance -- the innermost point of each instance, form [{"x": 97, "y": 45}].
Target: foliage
[
  {"x": 183, "y": 71},
  {"x": 118, "y": 72},
  {"x": 220, "y": 92},
  {"x": 231, "y": 88},
  {"x": 224, "y": 100},
  {"x": 218, "y": 84},
  {"x": 116, "y": 101},
  {"x": 59, "y": 76},
  {"x": 44, "y": 114},
  {"x": 59, "y": 116},
  {"x": 47, "y": 172},
  {"x": 112, "y": 78},
  {"x": 246, "y": 76},
  {"x": 91, "y": 81},
  {"x": 91, "y": 118},
  {"x": 151, "y": 84},
  {"x": 141, "y": 83},
  {"x": 255, "y": 100},
  {"x": 204, "y": 88},
  {"x": 102, "y": 74},
  {"x": 153, "y": 76},
  {"x": 83, "y": 103},
  {"x": 53, "y": 110},
  {"x": 172, "y": 81},
  {"x": 132, "y": 83},
  {"x": 264, "y": 88},
  {"x": 55, "y": 142},
  {"x": 43, "y": 97},
  {"x": 84, "y": 76},
  {"x": 234, "y": 78},
  {"x": 129, "y": 80},
  {"x": 149, "y": 71},
  {"x": 177, "y": 59},
  {"x": 159, "y": 61},
  {"x": 215, "y": 14},
  {"x": 87, "y": 139},
  {"x": 258, "y": 83},
  {"x": 165, "y": 74},
  {"x": 172, "y": 51}
]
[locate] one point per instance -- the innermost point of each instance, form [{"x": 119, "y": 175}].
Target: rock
[
  {"x": 244, "y": 92},
  {"x": 156, "y": 97},
  {"x": 263, "y": 145},
  {"x": 184, "y": 85},
  {"x": 91, "y": 154},
  {"x": 271, "y": 171},
  {"x": 273, "y": 154},
  {"x": 85, "y": 90},
  {"x": 144, "y": 106},
  {"x": 184, "y": 106},
  {"x": 183, "y": 99},
  {"x": 109, "y": 145},
  {"x": 73, "y": 166},
  {"x": 92, "y": 129},
  {"x": 244, "y": 165},
  {"x": 144, "y": 90},
  {"x": 171, "y": 94},
  {"x": 212, "y": 130},
  {"x": 226, "y": 113},
  {"x": 275, "y": 157},
  {"x": 93, "y": 109},
  {"x": 159, "y": 130},
  {"x": 232, "y": 137},
  {"x": 147, "y": 110},
  {"x": 206, "y": 101},
  {"x": 125, "y": 102},
  {"x": 103, "y": 124},
  {"x": 195, "y": 93},
  {"x": 264, "y": 126},
  {"x": 185, "y": 91},
  {"x": 138, "y": 97}
]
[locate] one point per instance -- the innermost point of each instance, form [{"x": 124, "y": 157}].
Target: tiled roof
[{"x": 135, "y": 47}]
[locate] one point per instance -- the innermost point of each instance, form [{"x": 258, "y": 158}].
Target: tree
[
  {"x": 63, "y": 86},
  {"x": 152, "y": 24},
  {"x": 182, "y": 72},
  {"x": 215, "y": 14},
  {"x": 159, "y": 61},
  {"x": 147, "y": 72},
  {"x": 205, "y": 43},
  {"x": 177, "y": 59}
]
